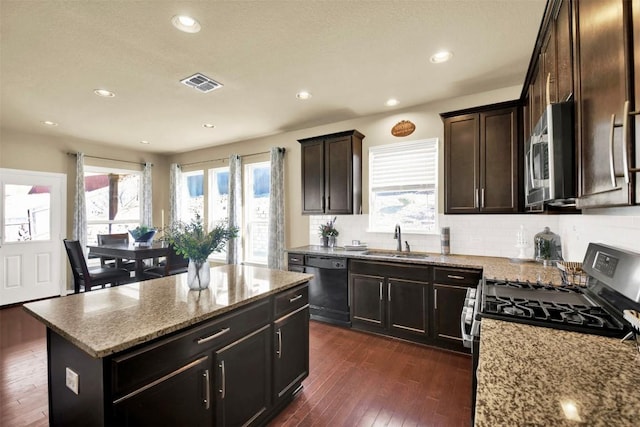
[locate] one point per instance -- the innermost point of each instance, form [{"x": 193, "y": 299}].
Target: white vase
[{"x": 198, "y": 275}]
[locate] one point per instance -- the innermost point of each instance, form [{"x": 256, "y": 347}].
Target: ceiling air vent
[{"x": 201, "y": 83}]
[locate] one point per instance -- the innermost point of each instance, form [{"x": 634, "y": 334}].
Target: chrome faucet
[{"x": 398, "y": 236}]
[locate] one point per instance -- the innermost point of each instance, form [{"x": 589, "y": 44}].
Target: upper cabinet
[
  {"x": 332, "y": 173},
  {"x": 481, "y": 152},
  {"x": 605, "y": 75}
]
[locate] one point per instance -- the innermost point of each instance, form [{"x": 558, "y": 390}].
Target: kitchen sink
[{"x": 395, "y": 254}]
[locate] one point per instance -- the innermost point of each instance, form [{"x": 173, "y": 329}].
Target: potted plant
[
  {"x": 193, "y": 241},
  {"x": 143, "y": 235},
  {"x": 328, "y": 233}
]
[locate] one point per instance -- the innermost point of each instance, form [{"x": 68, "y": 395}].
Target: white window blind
[{"x": 403, "y": 183}]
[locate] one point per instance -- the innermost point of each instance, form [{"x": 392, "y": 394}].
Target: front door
[{"x": 32, "y": 220}]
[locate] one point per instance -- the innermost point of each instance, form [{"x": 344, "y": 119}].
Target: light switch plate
[{"x": 71, "y": 380}]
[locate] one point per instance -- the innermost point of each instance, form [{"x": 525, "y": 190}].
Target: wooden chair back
[
  {"x": 78, "y": 264},
  {"x": 111, "y": 239}
]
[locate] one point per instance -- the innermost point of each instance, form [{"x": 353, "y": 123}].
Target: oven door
[{"x": 468, "y": 323}]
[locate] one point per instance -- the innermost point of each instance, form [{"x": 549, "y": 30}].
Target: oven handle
[{"x": 531, "y": 172}]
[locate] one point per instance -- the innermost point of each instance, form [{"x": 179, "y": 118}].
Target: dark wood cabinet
[
  {"x": 390, "y": 298},
  {"x": 291, "y": 354},
  {"x": 449, "y": 290},
  {"x": 481, "y": 159},
  {"x": 603, "y": 62},
  {"x": 332, "y": 173},
  {"x": 243, "y": 379}
]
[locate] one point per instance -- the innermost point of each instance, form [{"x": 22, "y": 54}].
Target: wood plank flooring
[{"x": 356, "y": 379}]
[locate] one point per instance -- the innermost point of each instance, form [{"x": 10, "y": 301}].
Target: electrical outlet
[{"x": 72, "y": 380}]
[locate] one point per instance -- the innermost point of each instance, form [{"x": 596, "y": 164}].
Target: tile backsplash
[{"x": 495, "y": 235}]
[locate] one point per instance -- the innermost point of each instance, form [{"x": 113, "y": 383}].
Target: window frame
[
  {"x": 248, "y": 189},
  {"x": 222, "y": 255},
  {"x": 432, "y": 152}
]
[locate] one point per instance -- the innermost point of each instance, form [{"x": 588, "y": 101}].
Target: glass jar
[{"x": 548, "y": 247}]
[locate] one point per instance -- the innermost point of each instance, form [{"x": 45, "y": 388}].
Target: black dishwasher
[{"x": 328, "y": 290}]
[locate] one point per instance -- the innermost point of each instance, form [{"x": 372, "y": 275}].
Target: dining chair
[
  {"x": 112, "y": 239},
  {"x": 86, "y": 278},
  {"x": 173, "y": 264}
]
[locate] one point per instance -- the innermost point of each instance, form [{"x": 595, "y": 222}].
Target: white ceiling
[{"x": 351, "y": 55}]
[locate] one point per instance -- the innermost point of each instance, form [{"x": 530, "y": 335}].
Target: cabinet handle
[
  {"x": 435, "y": 299},
  {"x": 625, "y": 154},
  {"x": 207, "y": 395},
  {"x": 380, "y": 291},
  {"x": 294, "y": 259},
  {"x": 279, "y": 352},
  {"x": 223, "y": 381},
  {"x": 322, "y": 204},
  {"x": 296, "y": 298},
  {"x": 611, "y": 160},
  {"x": 214, "y": 336},
  {"x": 482, "y": 198},
  {"x": 548, "y": 88},
  {"x": 453, "y": 276},
  {"x": 475, "y": 199},
  {"x": 389, "y": 291}
]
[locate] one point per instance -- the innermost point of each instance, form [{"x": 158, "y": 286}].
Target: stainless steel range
[{"x": 613, "y": 286}]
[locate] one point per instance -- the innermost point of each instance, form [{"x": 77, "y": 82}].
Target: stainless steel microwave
[{"x": 550, "y": 172}]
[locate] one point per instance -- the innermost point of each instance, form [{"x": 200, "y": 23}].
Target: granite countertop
[
  {"x": 536, "y": 376},
  {"x": 493, "y": 267},
  {"x": 110, "y": 320}
]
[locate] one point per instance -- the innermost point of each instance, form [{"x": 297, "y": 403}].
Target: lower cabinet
[
  {"x": 394, "y": 300},
  {"x": 243, "y": 379}
]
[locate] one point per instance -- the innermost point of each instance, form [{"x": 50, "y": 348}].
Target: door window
[{"x": 26, "y": 213}]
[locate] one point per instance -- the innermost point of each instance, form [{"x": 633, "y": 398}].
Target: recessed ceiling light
[
  {"x": 145, "y": 142},
  {"x": 441, "y": 57},
  {"x": 391, "y": 102},
  {"x": 49, "y": 123},
  {"x": 208, "y": 125},
  {"x": 303, "y": 95},
  {"x": 104, "y": 93},
  {"x": 186, "y": 23}
]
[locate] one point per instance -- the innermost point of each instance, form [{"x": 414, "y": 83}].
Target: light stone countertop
[
  {"x": 493, "y": 267},
  {"x": 535, "y": 376},
  {"x": 110, "y": 320}
]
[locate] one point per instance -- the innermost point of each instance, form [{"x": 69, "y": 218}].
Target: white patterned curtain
[
  {"x": 80, "y": 205},
  {"x": 147, "y": 198},
  {"x": 175, "y": 191},
  {"x": 275, "y": 256},
  {"x": 234, "y": 253}
]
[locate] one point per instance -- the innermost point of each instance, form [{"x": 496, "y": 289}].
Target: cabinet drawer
[
  {"x": 457, "y": 276},
  {"x": 296, "y": 259},
  {"x": 291, "y": 300},
  {"x": 137, "y": 368}
]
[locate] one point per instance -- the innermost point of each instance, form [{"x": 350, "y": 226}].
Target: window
[
  {"x": 113, "y": 201},
  {"x": 403, "y": 186},
  {"x": 26, "y": 212},
  {"x": 256, "y": 212},
  {"x": 192, "y": 200},
  {"x": 218, "y": 202}
]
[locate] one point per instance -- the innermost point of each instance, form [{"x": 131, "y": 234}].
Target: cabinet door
[
  {"x": 635, "y": 13},
  {"x": 564, "y": 52},
  {"x": 407, "y": 307},
  {"x": 243, "y": 379},
  {"x": 291, "y": 354},
  {"x": 367, "y": 304},
  {"x": 448, "y": 301},
  {"x": 312, "y": 177},
  {"x": 182, "y": 397},
  {"x": 550, "y": 73},
  {"x": 461, "y": 136},
  {"x": 602, "y": 63},
  {"x": 338, "y": 176},
  {"x": 499, "y": 187}
]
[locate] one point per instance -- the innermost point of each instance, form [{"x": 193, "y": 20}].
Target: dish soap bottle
[{"x": 548, "y": 248}]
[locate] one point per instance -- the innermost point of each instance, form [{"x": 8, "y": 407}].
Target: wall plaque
[{"x": 403, "y": 128}]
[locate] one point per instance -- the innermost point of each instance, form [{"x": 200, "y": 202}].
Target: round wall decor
[{"x": 403, "y": 128}]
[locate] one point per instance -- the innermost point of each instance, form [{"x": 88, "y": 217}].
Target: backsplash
[{"x": 495, "y": 235}]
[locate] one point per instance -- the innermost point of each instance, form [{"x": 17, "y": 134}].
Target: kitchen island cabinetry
[
  {"x": 390, "y": 298},
  {"x": 481, "y": 151},
  {"x": 155, "y": 353},
  {"x": 332, "y": 173},
  {"x": 449, "y": 290}
]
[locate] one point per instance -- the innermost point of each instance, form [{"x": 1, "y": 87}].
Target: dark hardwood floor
[{"x": 356, "y": 379}]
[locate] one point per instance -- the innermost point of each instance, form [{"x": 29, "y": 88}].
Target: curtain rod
[
  {"x": 227, "y": 158},
  {"x": 107, "y": 158}
]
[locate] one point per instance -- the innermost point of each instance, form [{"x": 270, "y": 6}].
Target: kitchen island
[
  {"x": 535, "y": 376},
  {"x": 154, "y": 353}
]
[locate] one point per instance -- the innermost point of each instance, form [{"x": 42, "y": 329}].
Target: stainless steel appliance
[
  {"x": 613, "y": 285},
  {"x": 550, "y": 158}
]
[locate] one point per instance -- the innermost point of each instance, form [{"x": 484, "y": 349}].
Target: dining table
[{"x": 131, "y": 251}]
